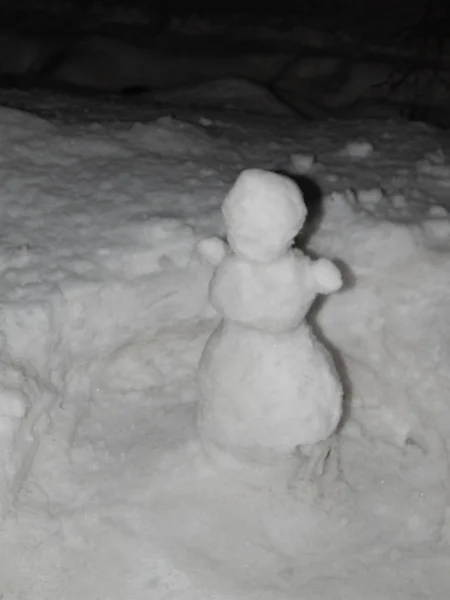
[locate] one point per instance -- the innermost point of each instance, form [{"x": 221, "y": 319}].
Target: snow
[
  {"x": 104, "y": 491},
  {"x": 268, "y": 387},
  {"x": 302, "y": 163},
  {"x": 266, "y": 394},
  {"x": 357, "y": 149},
  {"x": 262, "y": 214}
]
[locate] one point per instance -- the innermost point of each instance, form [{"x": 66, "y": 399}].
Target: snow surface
[{"x": 104, "y": 313}]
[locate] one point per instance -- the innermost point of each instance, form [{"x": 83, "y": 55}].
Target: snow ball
[
  {"x": 357, "y": 149},
  {"x": 327, "y": 275},
  {"x": 302, "y": 163},
  {"x": 213, "y": 249},
  {"x": 332, "y": 177},
  {"x": 263, "y": 212},
  {"x": 370, "y": 197},
  {"x": 437, "y": 211}
]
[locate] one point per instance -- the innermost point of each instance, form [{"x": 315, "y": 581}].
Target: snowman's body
[
  {"x": 266, "y": 296},
  {"x": 260, "y": 403},
  {"x": 267, "y": 384}
]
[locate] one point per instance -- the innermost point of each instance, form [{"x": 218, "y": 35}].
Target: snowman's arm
[
  {"x": 214, "y": 249},
  {"x": 327, "y": 276}
]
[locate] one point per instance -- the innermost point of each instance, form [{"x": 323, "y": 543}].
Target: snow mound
[
  {"x": 392, "y": 335},
  {"x": 71, "y": 271}
]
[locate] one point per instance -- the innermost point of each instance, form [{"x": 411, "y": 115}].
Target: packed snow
[
  {"x": 269, "y": 390},
  {"x": 105, "y": 491}
]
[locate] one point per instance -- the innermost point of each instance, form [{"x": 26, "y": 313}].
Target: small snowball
[
  {"x": 302, "y": 163},
  {"x": 357, "y": 149},
  {"x": 263, "y": 212},
  {"x": 437, "y": 211},
  {"x": 327, "y": 275},
  {"x": 332, "y": 177},
  {"x": 213, "y": 249},
  {"x": 370, "y": 197}
]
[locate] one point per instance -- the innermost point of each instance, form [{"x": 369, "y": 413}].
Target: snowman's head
[{"x": 263, "y": 213}]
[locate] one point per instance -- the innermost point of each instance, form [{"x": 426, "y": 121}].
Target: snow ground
[{"x": 104, "y": 312}]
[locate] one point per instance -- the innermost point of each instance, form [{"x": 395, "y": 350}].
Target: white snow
[
  {"x": 357, "y": 149},
  {"x": 302, "y": 163},
  {"x": 262, "y": 213},
  {"x": 104, "y": 314},
  {"x": 268, "y": 386}
]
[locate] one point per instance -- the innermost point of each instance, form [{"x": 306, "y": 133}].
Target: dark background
[{"x": 410, "y": 37}]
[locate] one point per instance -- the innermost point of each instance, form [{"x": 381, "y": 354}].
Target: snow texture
[{"x": 104, "y": 313}]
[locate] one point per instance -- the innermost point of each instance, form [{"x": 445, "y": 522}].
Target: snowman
[{"x": 269, "y": 389}]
